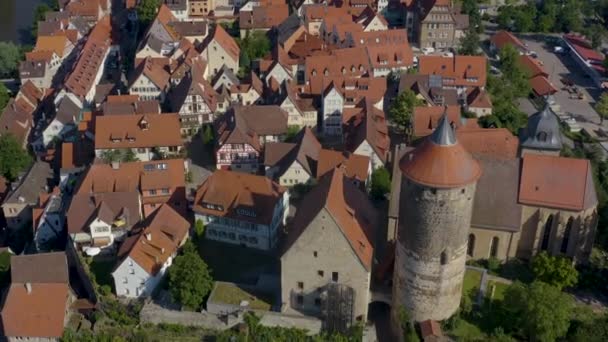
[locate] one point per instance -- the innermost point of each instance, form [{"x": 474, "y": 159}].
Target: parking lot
[{"x": 562, "y": 66}]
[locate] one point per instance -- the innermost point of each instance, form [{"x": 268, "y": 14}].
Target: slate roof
[{"x": 542, "y": 132}]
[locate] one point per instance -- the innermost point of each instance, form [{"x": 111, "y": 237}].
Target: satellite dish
[{"x": 92, "y": 251}]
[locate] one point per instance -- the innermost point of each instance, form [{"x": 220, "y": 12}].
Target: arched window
[
  {"x": 566, "y": 238},
  {"x": 494, "y": 247},
  {"x": 443, "y": 258},
  {"x": 471, "y": 245},
  {"x": 547, "y": 233}
]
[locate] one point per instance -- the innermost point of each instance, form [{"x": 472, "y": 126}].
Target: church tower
[{"x": 437, "y": 190}]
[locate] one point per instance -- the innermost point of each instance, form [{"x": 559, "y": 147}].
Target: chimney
[
  {"x": 149, "y": 236},
  {"x": 115, "y": 165},
  {"x": 28, "y": 287}
]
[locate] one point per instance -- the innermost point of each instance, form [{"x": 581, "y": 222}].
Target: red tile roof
[
  {"x": 557, "y": 182},
  {"x": 466, "y": 71},
  {"x": 533, "y": 66},
  {"x": 232, "y": 191},
  {"x": 502, "y": 38},
  {"x": 426, "y": 118},
  {"x": 348, "y": 206},
  {"x": 82, "y": 78},
  {"x": 583, "y": 48},
  {"x": 135, "y": 131},
  {"x": 542, "y": 86},
  {"x": 492, "y": 142}
]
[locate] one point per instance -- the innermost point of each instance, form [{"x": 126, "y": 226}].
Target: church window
[
  {"x": 443, "y": 258},
  {"x": 547, "y": 233},
  {"x": 494, "y": 247},
  {"x": 566, "y": 238},
  {"x": 471, "y": 245}
]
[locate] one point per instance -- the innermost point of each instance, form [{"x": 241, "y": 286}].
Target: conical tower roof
[{"x": 440, "y": 161}]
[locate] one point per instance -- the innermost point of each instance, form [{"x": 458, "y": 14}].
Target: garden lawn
[
  {"x": 235, "y": 264},
  {"x": 465, "y": 331},
  {"x": 499, "y": 292},
  {"x": 234, "y": 295},
  {"x": 472, "y": 281}
]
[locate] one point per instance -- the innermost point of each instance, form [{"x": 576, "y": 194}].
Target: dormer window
[
  {"x": 343, "y": 70},
  {"x": 326, "y": 72},
  {"x": 541, "y": 136},
  {"x": 353, "y": 69},
  {"x": 143, "y": 124},
  {"x": 314, "y": 72}
]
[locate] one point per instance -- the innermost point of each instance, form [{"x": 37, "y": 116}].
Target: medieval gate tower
[{"x": 437, "y": 190}]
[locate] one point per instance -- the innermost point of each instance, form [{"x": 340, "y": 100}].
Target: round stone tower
[{"x": 437, "y": 190}]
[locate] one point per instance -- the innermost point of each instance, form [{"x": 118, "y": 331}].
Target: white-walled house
[
  {"x": 150, "y": 80},
  {"x": 242, "y": 209},
  {"x": 221, "y": 49},
  {"x": 48, "y": 219},
  {"x": 367, "y": 135},
  {"x": 69, "y": 110},
  {"x": 333, "y": 106},
  {"x": 145, "y": 257}
]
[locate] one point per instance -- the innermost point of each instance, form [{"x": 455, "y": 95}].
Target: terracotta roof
[
  {"x": 85, "y": 8},
  {"x": 155, "y": 69},
  {"x": 370, "y": 125},
  {"x": 77, "y": 154},
  {"x": 133, "y": 131},
  {"x": 236, "y": 192},
  {"x": 426, "y": 118},
  {"x": 583, "y": 48},
  {"x": 498, "y": 143},
  {"x": 82, "y": 78},
  {"x": 469, "y": 71},
  {"x": 502, "y": 38},
  {"x": 131, "y": 176},
  {"x": 129, "y": 104},
  {"x": 441, "y": 161},
  {"x": 37, "y": 314},
  {"x": 164, "y": 232},
  {"x": 244, "y": 125},
  {"x": 348, "y": 206},
  {"x": 263, "y": 17},
  {"x": 557, "y": 182},
  {"x": 193, "y": 84},
  {"x": 16, "y": 119},
  {"x": 227, "y": 42},
  {"x": 56, "y": 44},
  {"x": 305, "y": 150},
  {"x": 107, "y": 206},
  {"x": 430, "y": 328},
  {"x": 478, "y": 98},
  {"x": 48, "y": 268},
  {"x": 386, "y": 49},
  {"x": 353, "y": 165},
  {"x": 341, "y": 63},
  {"x": 541, "y": 86},
  {"x": 533, "y": 66}
]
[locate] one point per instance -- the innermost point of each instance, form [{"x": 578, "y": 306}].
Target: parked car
[{"x": 558, "y": 49}]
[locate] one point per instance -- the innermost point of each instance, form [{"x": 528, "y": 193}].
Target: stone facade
[
  {"x": 431, "y": 250},
  {"x": 321, "y": 256},
  {"x": 436, "y": 30}
]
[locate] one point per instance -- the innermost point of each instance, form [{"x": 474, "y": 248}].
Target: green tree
[
  {"x": 199, "y": 230},
  {"x": 10, "y": 56},
  {"x": 381, "y": 183},
  {"x": 539, "y": 311},
  {"x": 189, "y": 278},
  {"x": 292, "y": 132},
  {"x": 207, "y": 135},
  {"x": 469, "y": 45},
  {"x": 601, "y": 107},
  {"x": 407, "y": 326},
  {"x": 402, "y": 108},
  {"x": 4, "y": 96},
  {"x": 39, "y": 15},
  {"x": 595, "y": 330},
  {"x": 128, "y": 155},
  {"x": 146, "y": 10},
  {"x": 5, "y": 267},
  {"x": 13, "y": 158},
  {"x": 596, "y": 33},
  {"x": 557, "y": 271}
]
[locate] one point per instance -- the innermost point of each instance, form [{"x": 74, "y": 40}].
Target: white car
[
  {"x": 558, "y": 49},
  {"x": 428, "y": 50}
]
